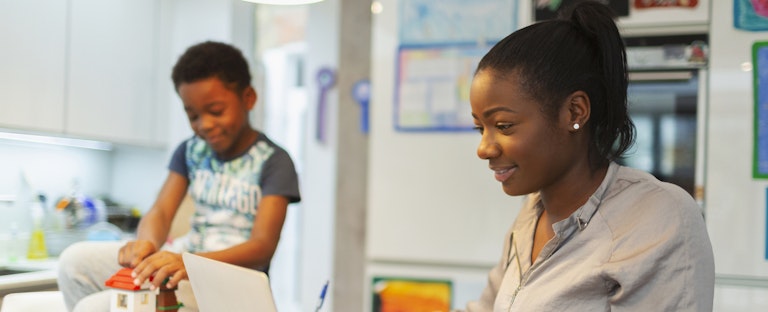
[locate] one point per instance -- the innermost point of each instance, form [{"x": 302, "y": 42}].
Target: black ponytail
[
  {"x": 613, "y": 133},
  {"x": 581, "y": 50}
]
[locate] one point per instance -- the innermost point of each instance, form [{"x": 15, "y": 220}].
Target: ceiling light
[
  {"x": 376, "y": 7},
  {"x": 283, "y": 2}
]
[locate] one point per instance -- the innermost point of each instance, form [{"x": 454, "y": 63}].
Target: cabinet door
[
  {"x": 111, "y": 79},
  {"x": 32, "y": 64}
]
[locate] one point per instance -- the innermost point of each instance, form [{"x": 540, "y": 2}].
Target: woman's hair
[
  {"x": 212, "y": 59},
  {"x": 580, "y": 50}
]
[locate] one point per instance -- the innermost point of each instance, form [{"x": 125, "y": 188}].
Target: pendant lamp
[{"x": 283, "y": 2}]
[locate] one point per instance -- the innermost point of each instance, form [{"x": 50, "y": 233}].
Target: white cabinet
[
  {"x": 111, "y": 79},
  {"x": 82, "y": 68},
  {"x": 32, "y": 64}
]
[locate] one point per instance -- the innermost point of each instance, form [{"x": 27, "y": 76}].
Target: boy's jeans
[{"x": 85, "y": 266}]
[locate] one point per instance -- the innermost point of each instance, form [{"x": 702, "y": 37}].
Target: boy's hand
[
  {"x": 160, "y": 265},
  {"x": 132, "y": 253}
]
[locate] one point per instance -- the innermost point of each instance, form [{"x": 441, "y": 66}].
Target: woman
[{"x": 550, "y": 101}]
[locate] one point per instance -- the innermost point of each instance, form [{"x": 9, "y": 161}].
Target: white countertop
[{"x": 43, "y": 273}]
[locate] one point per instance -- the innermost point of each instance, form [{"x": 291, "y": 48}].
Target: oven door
[{"x": 668, "y": 108}]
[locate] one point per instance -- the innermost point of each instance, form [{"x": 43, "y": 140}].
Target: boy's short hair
[{"x": 212, "y": 59}]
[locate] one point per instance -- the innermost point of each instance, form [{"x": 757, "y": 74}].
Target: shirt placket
[{"x": 549, "y": 249}]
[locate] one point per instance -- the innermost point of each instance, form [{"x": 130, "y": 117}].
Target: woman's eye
[
  {"x": 478, "y": 129},
  {"x": 504, "y": 126}
]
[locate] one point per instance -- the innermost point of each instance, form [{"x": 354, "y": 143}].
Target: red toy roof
[{"x": 122, "y": 280}]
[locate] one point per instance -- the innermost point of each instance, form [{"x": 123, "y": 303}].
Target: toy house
[{"x": 127, "y": 297}]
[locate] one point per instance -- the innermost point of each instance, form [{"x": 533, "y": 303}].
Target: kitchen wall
[
  {"x": 137, "y": 173},
  {"x": 52, "y": 169},
  {"x": 735, "y": 201},
  {"x": 130, "y": 176}
]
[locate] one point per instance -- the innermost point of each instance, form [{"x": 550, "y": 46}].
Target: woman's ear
[{"x": 577, "y": 110}]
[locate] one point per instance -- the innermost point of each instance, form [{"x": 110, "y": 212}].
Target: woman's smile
[{"x": 502, "y": 174}]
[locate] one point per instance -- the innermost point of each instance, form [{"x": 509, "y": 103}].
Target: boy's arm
[
  {"x": 256, "y": 251},
  {"x": 155, "y": 225},
  {"x": 260, "y": 247}
]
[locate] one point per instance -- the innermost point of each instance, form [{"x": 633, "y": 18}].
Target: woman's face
[{"x": 526, "y": 150}]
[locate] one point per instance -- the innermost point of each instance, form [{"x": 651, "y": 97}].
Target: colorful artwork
[
  {"x": 761, "y": 7},
  {"x": 455, "y": 21},
  {"x": 750, "y": 15},
  {"x": 644, "y": 4},
  {"x": 411, "y": 295},
  {"x": 432, "y": 91},
  {"x": 441, "y": 43}
]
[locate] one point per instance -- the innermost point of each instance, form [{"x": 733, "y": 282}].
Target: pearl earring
[{"x": 576, "y": 126}]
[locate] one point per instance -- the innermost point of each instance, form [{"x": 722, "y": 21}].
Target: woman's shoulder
[
  {"x": 638, "y": 199},
  {"x": 648, "y": 217},
  {"x": 634, "y": 184}
]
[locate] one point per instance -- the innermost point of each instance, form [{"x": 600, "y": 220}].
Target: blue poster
[
  {"x": 456, "y": 21},
  {"x": 440, "y": 44},
  {"x": 760, "y": 71},
  {"x": 750, "y": 15},
  {"x": 432, "y": 91}
]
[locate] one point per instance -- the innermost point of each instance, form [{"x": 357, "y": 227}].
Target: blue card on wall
[{"x": 750, "y": 15}]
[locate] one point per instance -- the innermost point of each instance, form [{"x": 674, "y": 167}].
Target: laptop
[{"x": 220, "y": 286}]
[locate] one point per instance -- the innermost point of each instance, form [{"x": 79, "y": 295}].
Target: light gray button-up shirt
[{"x": 638, "y": 244}]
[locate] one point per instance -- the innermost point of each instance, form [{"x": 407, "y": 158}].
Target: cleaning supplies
[
  {"x": 19, "y": 220},
  {"x": 37, "y": 249}
]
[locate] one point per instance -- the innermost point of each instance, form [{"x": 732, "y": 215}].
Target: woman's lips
[{"x": 503, "y": 174}]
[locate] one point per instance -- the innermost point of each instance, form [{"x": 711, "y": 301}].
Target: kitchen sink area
[
  {"x": 27, "y": 275},
  {"x": 9, "y": 271}
]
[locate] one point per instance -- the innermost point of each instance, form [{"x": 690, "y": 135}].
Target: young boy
[{"x": 231, "y": 172}]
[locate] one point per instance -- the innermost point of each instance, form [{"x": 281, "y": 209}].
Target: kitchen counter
[{"x": 28, "y": 275}]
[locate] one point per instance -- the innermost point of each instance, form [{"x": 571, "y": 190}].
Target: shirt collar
[{"x": 582, "y": 216}]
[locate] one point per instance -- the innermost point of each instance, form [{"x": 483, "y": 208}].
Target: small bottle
[
  {"x": 37, "y": 249},
  {"x": 20, "y": 218},
  {"x": 13, "y": 249}
]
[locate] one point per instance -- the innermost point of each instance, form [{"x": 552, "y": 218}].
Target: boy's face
[{"x": 218, "y": 114}]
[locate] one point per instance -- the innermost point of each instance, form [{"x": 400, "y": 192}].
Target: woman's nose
[{"x": 488, "y": 148}]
